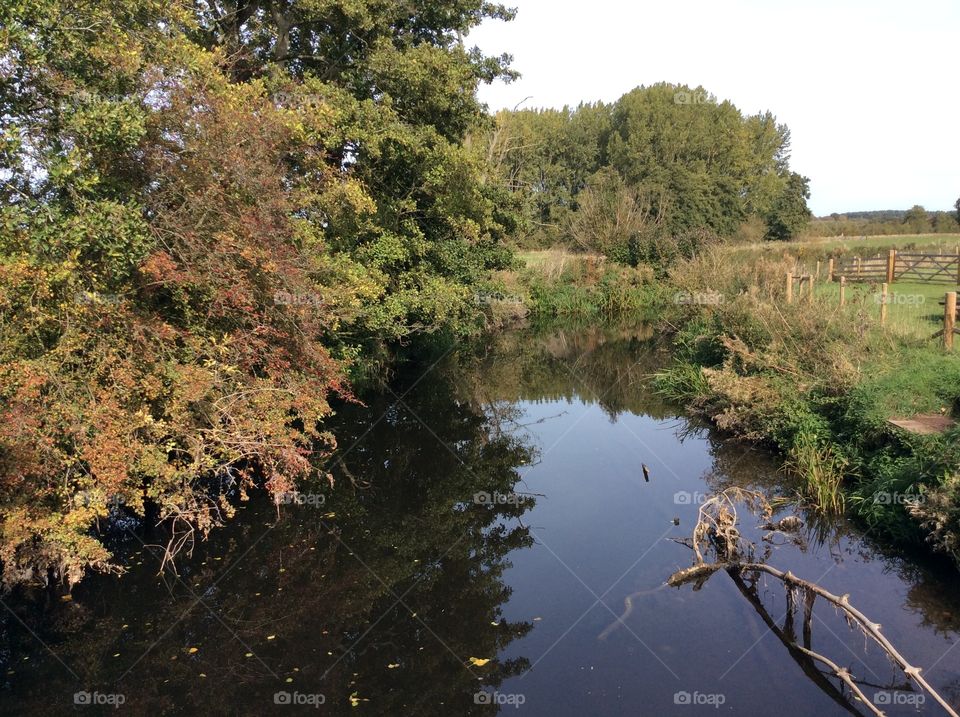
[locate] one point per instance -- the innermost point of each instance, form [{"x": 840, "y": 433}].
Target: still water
[{"x": 490, "y": 544}]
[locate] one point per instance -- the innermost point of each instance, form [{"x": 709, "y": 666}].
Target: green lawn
[{"x": 913, "y": 309}]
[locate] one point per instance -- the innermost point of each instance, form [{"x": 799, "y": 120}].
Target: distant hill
[{"x": 881, "y": 215}]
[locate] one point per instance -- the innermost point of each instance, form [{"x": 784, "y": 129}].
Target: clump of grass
[
  {"x": 821, "y": 471},
  {"x": 566, "y": 284},
  {"x": 682, "y": 383}
]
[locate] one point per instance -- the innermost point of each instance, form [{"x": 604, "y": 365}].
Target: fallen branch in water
[{"x": 716, "y": 530}]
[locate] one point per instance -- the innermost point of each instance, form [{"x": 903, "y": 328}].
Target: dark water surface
[{"x": 489, "y": 520}]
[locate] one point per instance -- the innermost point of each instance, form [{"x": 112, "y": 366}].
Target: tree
[
  {"x": 208, "y": 218},
  {"x": 917, "y": 220},
  {"x": 790, "y": 213}
]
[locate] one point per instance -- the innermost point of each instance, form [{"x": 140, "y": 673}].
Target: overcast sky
[{"x": 869, "y": 88}]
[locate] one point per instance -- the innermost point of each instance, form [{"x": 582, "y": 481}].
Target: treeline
[
  {"x": 210, "y": 215},
  {"x": 662, "y": 161},
  {"x": 916, "y": 220}
]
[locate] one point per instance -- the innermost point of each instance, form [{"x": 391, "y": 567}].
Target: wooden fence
[{"x": 899, "y": 266}]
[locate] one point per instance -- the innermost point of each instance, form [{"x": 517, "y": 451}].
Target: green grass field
[
  {"x": 823, "y": 248},
  {"x": 913, "y": 309}
]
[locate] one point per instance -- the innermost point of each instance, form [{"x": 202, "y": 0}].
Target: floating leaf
[
  {"x": 393, "y": 665},
  {"x": 271, "y": 637},
  {"x": 479, "y": 661},
  {"x": 193, "y": 649}
]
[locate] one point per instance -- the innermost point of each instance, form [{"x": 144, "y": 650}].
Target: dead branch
[{"x": 716, "y": 530}]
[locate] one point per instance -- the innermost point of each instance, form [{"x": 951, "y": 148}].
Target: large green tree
[
  {"x": 209, "y": 212},
  {"x": 702, "y": 163}
]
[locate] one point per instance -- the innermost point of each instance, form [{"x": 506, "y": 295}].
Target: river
[{"x": 491, "y": 543}]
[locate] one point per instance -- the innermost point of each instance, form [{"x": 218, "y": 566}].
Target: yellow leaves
[
  {"x": 478, "y": 661},
  {"x": 192, "y": 650},
  {"x": 271, "y": 637},
  {"x": 355, "y": 701}
]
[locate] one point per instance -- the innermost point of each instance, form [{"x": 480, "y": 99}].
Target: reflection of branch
[
  {"x": 796, "y": 652},
  {"x": 843, "y": 674}
]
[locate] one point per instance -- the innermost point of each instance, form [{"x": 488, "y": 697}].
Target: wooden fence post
[
  {"x": 818, "y": 269},
  {"x": 891, "y": 265},
  {"x": 789, "y": 288},
  {"x": 949, "y": 319},
  {"x": 883, "y": 304},
  {"x": 830, "y": 269},
  {"x": 843, "y": 289},
  {"x": 810, "y": 280},
  {"x": 858, "y": 266}
]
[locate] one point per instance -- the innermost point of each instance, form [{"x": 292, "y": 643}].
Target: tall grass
[{"x": 821, "y": 471}]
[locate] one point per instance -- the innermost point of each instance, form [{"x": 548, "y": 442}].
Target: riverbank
[
  {"x": 814, "y": 382},
  {"x": 818, "y": 383}
]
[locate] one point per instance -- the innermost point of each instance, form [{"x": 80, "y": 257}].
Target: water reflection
[{"x": 487, "y": 521}]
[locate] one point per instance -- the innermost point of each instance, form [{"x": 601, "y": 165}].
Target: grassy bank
[
  {"x": 818, "y": 382},
  {"x": 559, "y": 283}
]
